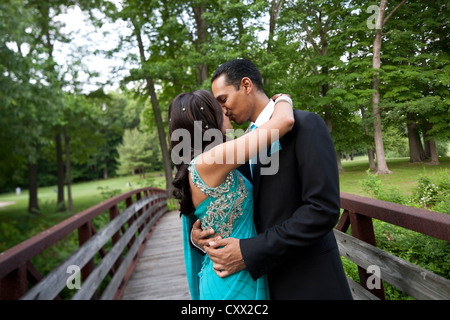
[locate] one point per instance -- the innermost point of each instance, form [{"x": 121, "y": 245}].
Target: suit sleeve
[{"x": 320, "y": 202}]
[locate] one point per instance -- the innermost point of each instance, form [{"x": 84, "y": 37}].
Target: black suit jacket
[{"x": 295, "y": 211}]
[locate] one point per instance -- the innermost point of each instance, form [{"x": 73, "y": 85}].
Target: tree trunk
[
  {"x": 426, "y": 145},
  {"x": 68, "y": 171},
  {"x": 370, "y": 152},
  {"x": 339, "y": 162},
  {"x": 105, "y": 170},
  {"x": 157, "y": 113},
  {"x": 33, "y": 206},
  {"x": 161, "y": 135},
  {"x": 60, "y": 204},
  {"x": 201, "y": 40},
  {"x": 382, "y": 167},
  {"x": 431, "y": 145},
  {"x": 433, "y": 151},
  {"x": 274, "y": 10},
  {"x": 416, "y": 153}
]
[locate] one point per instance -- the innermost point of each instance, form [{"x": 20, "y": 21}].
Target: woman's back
[{"x": 228, "y": 209}]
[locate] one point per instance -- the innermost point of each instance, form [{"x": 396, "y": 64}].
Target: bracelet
[{"x": 283, "y": 98}]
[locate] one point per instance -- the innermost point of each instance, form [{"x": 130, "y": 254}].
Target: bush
[
  {"x": 372, "y": 185},
  {"x": 431, "y": 193}
]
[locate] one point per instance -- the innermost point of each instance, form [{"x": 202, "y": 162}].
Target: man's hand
[
  {"x": 201, "y": 238},
  {"x": 226, "y": 260}
]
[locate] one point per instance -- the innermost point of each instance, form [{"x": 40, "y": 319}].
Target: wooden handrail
[
  {"x": 434, "y": 224},
  {"x": 17, "y": 272},
  {"x": 358, "y": 212},
  {"x": 16, "y": 269}
]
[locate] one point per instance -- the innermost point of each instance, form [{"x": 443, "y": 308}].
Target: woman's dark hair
[
  {"x": 195, "y": 112},
  {"x": 236, "y": 69}
]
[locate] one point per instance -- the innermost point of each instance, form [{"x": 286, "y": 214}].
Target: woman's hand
[
  {"x": 283, "y": 112},
  {"x": 279, "y": 95}
]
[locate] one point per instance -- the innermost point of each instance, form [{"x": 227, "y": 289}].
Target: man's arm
[
  {"x": 316, "y": 217},
  {"x": 319, "y": 212}
]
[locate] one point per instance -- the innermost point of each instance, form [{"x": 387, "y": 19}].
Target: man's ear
[{"x": 247, "y": 85}]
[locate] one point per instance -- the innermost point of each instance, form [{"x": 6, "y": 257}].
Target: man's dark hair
[{"x": 237, "y": 69}]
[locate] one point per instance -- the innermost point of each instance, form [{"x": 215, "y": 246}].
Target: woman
[{"x": 211, "y": 189}]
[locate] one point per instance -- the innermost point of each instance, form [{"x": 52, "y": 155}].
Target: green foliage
[
  {"x": 136, "y": 153},
  {"x": 374, "y": 186},
  {"x": 431, "y": 193},
  {"x": 424, "y": 251}
]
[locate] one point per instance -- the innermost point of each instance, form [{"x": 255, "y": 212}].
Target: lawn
[
  {"x": 16, "y": 224},
  {"x": 404, "y": 174}
]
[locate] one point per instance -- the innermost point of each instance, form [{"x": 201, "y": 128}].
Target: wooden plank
[
  {"x": 359, "y": 292},
  {"x": 96, "y": 277},
  {"x": 409, "y": 278},
  {"x": 49, "y": 287},
  {"x": 115, "y": 282},
  {"x": 160, "y": 273}
]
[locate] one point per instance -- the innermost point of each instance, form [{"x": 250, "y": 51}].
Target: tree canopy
[{"x": 371, "y": 70}]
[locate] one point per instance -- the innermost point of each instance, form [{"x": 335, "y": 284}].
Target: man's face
[
  {"x": 226, "y": 122},
  {"x": 236, "y": 103}
]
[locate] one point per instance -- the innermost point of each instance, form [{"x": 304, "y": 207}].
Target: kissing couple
[{"x": 251, "y": 233}]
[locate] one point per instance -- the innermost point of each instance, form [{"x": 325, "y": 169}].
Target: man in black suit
[{"x": 295, "y": 207}]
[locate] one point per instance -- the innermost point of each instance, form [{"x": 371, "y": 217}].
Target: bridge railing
[
  {"x": 361, "y": 249},
  {"x": 125, "y": 235},
  {"x": 129, "y": 230}
]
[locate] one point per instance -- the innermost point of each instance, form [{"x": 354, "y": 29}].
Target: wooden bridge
[{"x": 138, "y": 254}]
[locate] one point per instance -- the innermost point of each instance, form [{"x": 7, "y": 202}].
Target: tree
[
  {"x": 382, "y": 167},
  {"x": 415, "y": 69},
  {"x": 134, "y": 152}
]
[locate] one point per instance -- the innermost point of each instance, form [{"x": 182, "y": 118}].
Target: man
[{"x": 295, "y": 209}]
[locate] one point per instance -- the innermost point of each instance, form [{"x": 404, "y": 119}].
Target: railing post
[
  {"x": 113, "y": 213},
  {"x": 344, "y": 222},
  {"x": 362, "y": 229},
  {"x": 139, "y": 212},
  {"x": 128, "y": 203},
  {"x": 15, "y": 284},
  {"x": 84, "y": 234}
]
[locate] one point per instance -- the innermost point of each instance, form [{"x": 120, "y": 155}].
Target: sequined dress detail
[{"x": 228, "y": 210}]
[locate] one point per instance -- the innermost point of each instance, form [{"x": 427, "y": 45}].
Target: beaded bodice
[{"x": 225, "y": 203}]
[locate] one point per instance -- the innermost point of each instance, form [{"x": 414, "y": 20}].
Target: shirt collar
[{"x": 265, "y": 115}]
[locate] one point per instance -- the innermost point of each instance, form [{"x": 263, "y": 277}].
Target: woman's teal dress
[{"x": 229, "y": 211}]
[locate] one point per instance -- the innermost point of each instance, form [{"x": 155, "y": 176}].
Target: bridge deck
[{"x": 160, "y": 273}]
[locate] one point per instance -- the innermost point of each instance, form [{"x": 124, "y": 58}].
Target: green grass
[
  {"x": 404, "y": 174},
  {"x": 17, "y": 225}
]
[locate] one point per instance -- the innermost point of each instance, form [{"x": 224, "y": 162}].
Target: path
[{"x": 160, "y": 273}]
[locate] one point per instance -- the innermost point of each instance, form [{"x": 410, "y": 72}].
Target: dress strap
[{"x": 204, "y": 188}]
